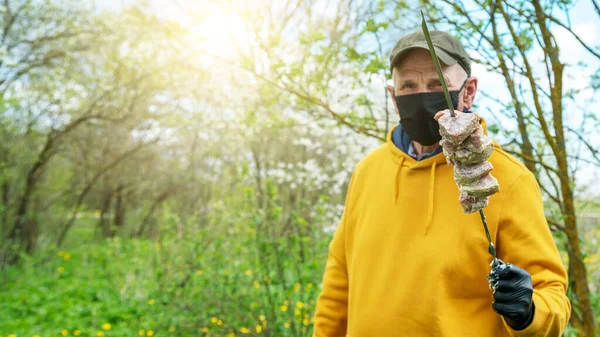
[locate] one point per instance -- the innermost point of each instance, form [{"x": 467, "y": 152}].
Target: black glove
[{"x": 513, "y": 293}]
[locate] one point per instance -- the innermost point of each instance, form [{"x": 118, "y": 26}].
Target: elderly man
[{"x": 405, "y": 259}]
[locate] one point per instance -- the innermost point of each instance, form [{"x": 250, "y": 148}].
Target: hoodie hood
[
  {"x": 402, "y": 141},
  {"x": 398, "y": 143}
]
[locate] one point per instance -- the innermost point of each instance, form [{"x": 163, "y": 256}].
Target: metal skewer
[{"x": 438, "y": 67}]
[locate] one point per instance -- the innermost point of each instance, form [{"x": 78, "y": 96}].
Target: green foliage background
[{"x": 154, "y": 184}]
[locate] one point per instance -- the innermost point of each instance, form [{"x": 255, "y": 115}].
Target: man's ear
[
  {"x": 393, "y": 94},
  {"x": 469, "y": 92}
]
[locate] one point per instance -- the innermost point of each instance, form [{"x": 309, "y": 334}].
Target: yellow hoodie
[{"x": 406, "y": 261}]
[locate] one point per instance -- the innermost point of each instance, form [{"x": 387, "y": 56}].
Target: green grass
[
  {"x": 226, "y": 277},
  {"x": 217, "y": 281},
  {"x": 81, "y": 290}
]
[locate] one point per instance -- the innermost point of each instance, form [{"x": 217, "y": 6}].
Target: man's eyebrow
[
  {"x": 436, "y": 80},
  {"x": 407, "y": 81}
]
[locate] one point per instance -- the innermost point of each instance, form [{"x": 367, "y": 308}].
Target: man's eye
[{"x": 408, "y": 86}]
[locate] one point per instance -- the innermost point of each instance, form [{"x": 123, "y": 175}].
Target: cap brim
[{"x": 441, "y": 54}]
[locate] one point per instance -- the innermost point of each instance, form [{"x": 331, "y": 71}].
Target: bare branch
[
  {"x": 67, "y": 226},
  {"x": 540, "y": 112},
  {"x": 555, "y": 226},
  {"x": 535, "y": 160},
  {"x": 588, "y": 48},
  {"x": 338, "y": 117},
  {"x": 596, "y": 7}
]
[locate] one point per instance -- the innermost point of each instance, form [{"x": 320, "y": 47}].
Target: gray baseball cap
[{"x": 448, "y": 49}]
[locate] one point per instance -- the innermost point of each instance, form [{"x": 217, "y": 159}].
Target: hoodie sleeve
[
  {"x": 524, "y": 239},
  {"x": 331, "y": 314}
]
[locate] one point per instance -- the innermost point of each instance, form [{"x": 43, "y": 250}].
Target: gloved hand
[{"x": 513, "y": 293}]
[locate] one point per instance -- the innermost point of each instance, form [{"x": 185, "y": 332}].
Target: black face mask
[{"x": 417, "y": 111}]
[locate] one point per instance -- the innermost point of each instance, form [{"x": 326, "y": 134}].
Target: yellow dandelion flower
[
  {"x": 219, "y": 322},
  {"x": 262, "y": 317},
  {"x": 106, "y": 326},
  {"x": 244, "y": 330},
  {"x": 297, "y": 287},
  {"x": 231, "y": 334},
  {"x": 258, "y": 328},
  {"x": 67, "y": 256},
  {"x": 199, "y": 272},
  {"x": 141, "y": 332},
  {"x": 33, "y": 336},
  {"x": 213, "y": 320},
  {"x": 61, "y": 254},
  {"x": 204, "y": 329},
  {"x": 149, "y": 333},
  {"x": 151, "y": 302},
  {"x": 252, "y": 305},
  {"x": 286, "y": 325},
  {"x": 297, "y": 312},
  {"x": 64, "y": 332},
  {"x": 300, "y": 305},
  {"x": 100, "y": 333},
  {"x": 309, "y": 285},
  {"x": 12, "y": 335},
  {"x": 61, "y": 269},
  {"x": 284, "y": 308},
  {"x": 305, "y": 321},
  {"x": 171, "y": 328},
  {"x": 248, "y": 272},
  {"x": 77, "y": 332}
]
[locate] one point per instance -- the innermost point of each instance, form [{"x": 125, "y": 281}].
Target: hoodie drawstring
[
  {"x": 397, "y": 182},
  {"x": 430, "y": 199}
]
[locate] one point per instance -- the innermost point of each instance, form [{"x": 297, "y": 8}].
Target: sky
[{"x": 585, "y": 22}]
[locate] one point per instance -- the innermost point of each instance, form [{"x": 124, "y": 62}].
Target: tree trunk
[
  {"x": 30, "y": 184},
  {"x": 104, "y": 221},
  {"x": 119, "y": 219},
  {"x": 31, "y": 232},
  {"x": 36, "y": 171},
  {"x": 585, "y": 323},
  {"x": 259, "y": 183},
  {"x": 155, "y": 204},
  {"x": 5, "y": 201},
  {"x": 582, "y": 319},
  {"x": 67, "y": 226},
  {"x": 526, "y": 147}
]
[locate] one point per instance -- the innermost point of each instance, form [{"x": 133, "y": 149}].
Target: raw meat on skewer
[
  {"x": 467, "y": 149},
  {"x": 468, "y": 153},
  {"x": 472, "y": 204},
  {"x": 456, "y": 129},
  {"x": 466, "y": 174},
  {"x": 484, "y": 187}
]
